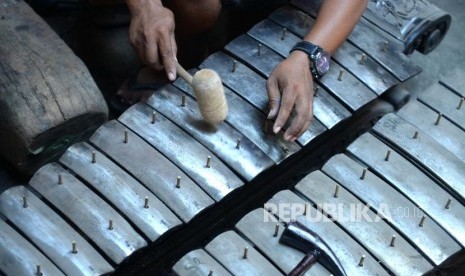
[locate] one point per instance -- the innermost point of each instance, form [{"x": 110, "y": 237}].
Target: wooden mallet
[{"x": 209, "y": 92}]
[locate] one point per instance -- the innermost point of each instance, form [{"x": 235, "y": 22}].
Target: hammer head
[{"x": 298, "y": 236}]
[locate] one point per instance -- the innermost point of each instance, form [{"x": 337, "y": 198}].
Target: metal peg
[
  {"x": 364, "y": 174},
  {"x": 266, "y": 128},
  {"x": 234, "y": 66},
  {"x": 315, "y": 90},
  {"x": 449, "y": 201},
  {"x": 178, "y": 182},
  {"x": 462, "y": 100},
  {"x": 38, "y": 270},
  {"x": 363, "y": 59},
  {"x": 246, "y": 250},
  {"x": 210, "y": 273},
  {"x": 209, "y": 159},
  {"x": 60, "y": 179},
  {"x": 276, "y": 230},
  {"x": 183, "y": 100},
  {"x": 305, "y": 21},
  {"x": 362, "y": 260},
  {"x": 388, "y": 154},
  {"x": 415, "y": 136},
  {"x": 110, "y": 224},
  {"x": 283, "y": 36},
  {"x": 146, "y": 202},
  {"x": 305, "y": 209},
  {"x": 94, "y": 157},
  {"x": 438, "y": 119},
  {"x": 126, "y": 136},
  {"x": 259, "y": 49},
  {"x": 154, "y": 117},
  {"x": 25, "y": 205},
  {"x": 238, "y": 144},
  {"x": 74, "y": 248},
  {"x": 393, "y": 239},
  {"x": 385, "y": 46},
  {"x": 336, "y": 192},
  {"x": 422, "y": 221},
  {"x": 341, "y": 75}
]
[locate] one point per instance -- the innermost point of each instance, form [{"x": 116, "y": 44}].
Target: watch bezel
[{"x": 314, "y": 53}]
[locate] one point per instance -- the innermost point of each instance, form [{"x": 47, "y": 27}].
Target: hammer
[
  {"x": 209, "y": 92},
  {"x": 298, "y": 236}
]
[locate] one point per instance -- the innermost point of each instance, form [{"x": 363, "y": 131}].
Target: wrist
[{"x": 136, "y": 6}]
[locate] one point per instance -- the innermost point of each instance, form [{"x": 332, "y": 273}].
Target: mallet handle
[
  {"x": 183, "y": 73},
  {"x": 308, "y": 261}
]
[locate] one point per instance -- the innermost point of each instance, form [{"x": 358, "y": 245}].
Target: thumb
[{"x": 274, "y": 97}]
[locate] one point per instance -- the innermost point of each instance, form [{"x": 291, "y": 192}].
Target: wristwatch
[{"x": 319, "y": 58}]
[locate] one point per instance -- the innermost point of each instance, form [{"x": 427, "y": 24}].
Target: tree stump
[{"x": 48, "y": 99}]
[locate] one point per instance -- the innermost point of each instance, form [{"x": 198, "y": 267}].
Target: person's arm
[
  {"x": 151, "y": 34},
  {"x": 290, "y": 86}
]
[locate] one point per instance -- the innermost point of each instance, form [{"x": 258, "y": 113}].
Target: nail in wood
[
  {"x": 449, "y": 201},
  {"x": 341, "y": 75},
  {"x": 238, "y": 144},
  {"x": 94, "y": 157},
  {"x": 363, "y": 59},
  {"x": 393, "y": 241},
  {"x": 74, "y": 248},
  {"x": 154, "y": 117},
  {"x": 284, "y": 34},
  {"x": 246, "y": 249},
  {"x": 60, "y": 179},
  {"x": 126, "y": 136},
  {"x": 385, "y": 47},
  {"x": 110, "y": 224},
  {"x": 415, "y": 136},
  {"x": 183, "y": 100},
  {"x": 209, "y": 159},
  {"x": 388, "y": 154},
  {"x": 178, "y": 182},
  {"x": 259, "y": 49},
  {"x": 422, "y": 221},
  {"x": 364, "y": 173},
  {"x": 234, "y": 67},
  {"x": 276, "y": 230},
  {"x": 438, "y": 120},
  {"x": 362, "y": 260},
  {"x": 146, "y": 202},
  {"x": 462, "y": 100},
  {"x": 25, "y": 205},
  {"x": 305, "y": 209},
  {"x": 336, "y": 192},
  {"x": 38, "y": 270}
]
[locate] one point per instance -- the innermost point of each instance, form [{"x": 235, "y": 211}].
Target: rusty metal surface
[
  {"x": 445, "y": 133},
  {"x": 430, "y": 238},
  {"x": 454, "y": 80},
  {"x": 372, "y": 41},
  {"x": 251, "y": 87},
  {"x": 413, "y": 183},
  {"x": 19, "y": 257},
  {"x": 326, "y": 109},
  {"x": 374, "y": 233},
  {"x": 447, "y": 103},
  {"x": 123, "y": 191},
  {"x": 51, "y": 234},
  {"x": 161, "y": 177},
  {"x": 188, "y": 154},
  {"x": 199, "y": 263},
  {"x": 264, "y": 236},
  {"x": 250, "y": 121},
  {"x": 346, "y": 249},
  {"x": 369, "y": 71},
  {"x": 424, "y": 150},
  {"x": 247, "y": 159},
  {"x": 87, "y": 211},
  {"x": 270, "y": 34},
  {"x": 228, "y": 248}
]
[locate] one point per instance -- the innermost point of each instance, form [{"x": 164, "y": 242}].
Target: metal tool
[{"x": 300, "y": 237}]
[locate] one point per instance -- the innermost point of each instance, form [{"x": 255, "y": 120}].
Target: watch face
[{"x": 322, "y": 62}]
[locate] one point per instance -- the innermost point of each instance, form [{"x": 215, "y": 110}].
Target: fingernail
[
  {"x": 276, "y": 129},
  {"x": 288, "y": 137},
  {"x": 171, "y": 76}
]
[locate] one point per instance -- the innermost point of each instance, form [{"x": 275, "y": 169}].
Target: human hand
[
  {"x": 290, "y": 87},
  {"x": 151, "y": 34}
]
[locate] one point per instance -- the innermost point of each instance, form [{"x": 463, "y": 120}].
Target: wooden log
[{"x": 48, "y": 99}]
